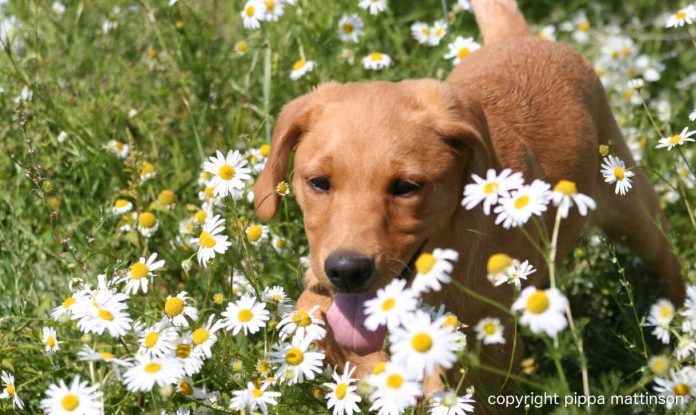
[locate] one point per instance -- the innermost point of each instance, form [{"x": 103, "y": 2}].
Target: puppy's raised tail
[{"x": 499, "y": 19}]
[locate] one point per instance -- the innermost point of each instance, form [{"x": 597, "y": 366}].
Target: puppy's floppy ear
[{"x": 293, "y": 121}]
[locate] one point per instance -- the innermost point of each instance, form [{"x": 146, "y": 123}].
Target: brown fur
[{"x": 520, "y": 102}]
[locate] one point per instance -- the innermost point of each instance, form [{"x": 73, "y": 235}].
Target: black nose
[{"x": 348, "y": 271}]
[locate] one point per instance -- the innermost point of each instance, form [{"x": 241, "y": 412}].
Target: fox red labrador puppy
[{"x": 380, "y": 167}]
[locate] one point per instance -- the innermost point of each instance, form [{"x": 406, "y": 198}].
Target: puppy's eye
[
  {"x": 403, "y": 188},
  {"x": 319, "y": 184}
]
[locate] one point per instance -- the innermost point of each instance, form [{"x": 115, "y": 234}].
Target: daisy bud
[{"x": 186, "y": 265}]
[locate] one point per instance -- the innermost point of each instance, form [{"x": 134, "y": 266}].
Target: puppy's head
[{"x": 379, "y": 169}]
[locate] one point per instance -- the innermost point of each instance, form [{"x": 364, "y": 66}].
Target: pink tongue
[{"x": 346, "y": 317}]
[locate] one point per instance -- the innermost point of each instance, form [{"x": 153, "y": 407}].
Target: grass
[{"x": 193, "y": 93}]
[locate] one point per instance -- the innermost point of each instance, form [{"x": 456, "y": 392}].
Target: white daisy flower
[
  {"x": 374, "y": 6},
  {"x": 580, "y": 27},
  {"x": 393, "y": 390},
  {"x": 678, "y": 389},
  {"x": 50, "y": 340},
  {"x": 121, "y": 206},
  {"x": 253, "y": 13},
  {"x": 342, "y": 396},
  {"x": 490, "y": 189},
  {"x": 275, "y": 294},
  {"x": 421, "y": 345},
  {"x": 118, "y": 148},
  {"x": 254, "y": 398},
  {"x": 178, "y": 308},
  {"x": 421, "y": 32},
  {"x": 204, "y": 337},
  {"x": 347, "y": 55},
  {"x": 78, "y": 398},
  {"x": 158, "y": 340},
  {"x": 490, "y": 331},
  {"x": 516, "y": 209},
  {"x": 149, "y": 371},
  {"x": 542, "y": 310},
  {"x": 437, "y": 32},
  {"x": 302, "y": 324},
  {"x": 110, "y": 319},
  {"x": 614, "y": 171},
  {"x": 377, "y": 61},
  {"x": 448, "y": 403},
  {"x": 300, "y": 68},
  {"x": 280, "y": 244},
  {"x": 547, "y": 33},
  {"x": 392, "y": 305},
  {"x": 66, "y": 307},
  {"x": 229, "y": 173},
  {"x": 245, "y": 315},
  {"x": 565, "y": 195},
  {"x": 433, "y": 270},
  {"x": 660, "y": 316},
  {"x": 147, "y": 171},
  {"x": 256, "y": 234},
  {"x": 9, "y": 390},
  {"x": 460, "y": 48},
  {"x": 90, "y": 355},
  {"x": 191, "y": 360},
  {"x": 211, "y": 241},
  {"x": 685, "y": 348},
  {"x": 275, "y": 9},
  {"x": 186, "y": 388},
  {"x": 147, "y": 224},
  {"x": 687, "y": 15},
  {"x": 240, "y": 284},
  {"x": 296, "y": 362},
  {"x": 498, "y": 268},
  {"x": 464, "y": 4},
  {"x": 282, "y": 188},
  {"x": 659, "y": 365},
  {"x": 140, "y": 273},
  {"x": 350, "y": 28},
  {"x": 515, "y": 273},
  {"x": 676, "y": 140}
]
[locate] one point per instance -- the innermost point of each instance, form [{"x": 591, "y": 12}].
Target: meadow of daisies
[{"x": 136, "y": 278}]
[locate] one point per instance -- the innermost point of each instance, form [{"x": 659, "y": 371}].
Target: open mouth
[{"x": 346, "y": 316}]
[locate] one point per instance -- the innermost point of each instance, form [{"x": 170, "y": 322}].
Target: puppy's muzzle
[{"x": 348, "y": 271}]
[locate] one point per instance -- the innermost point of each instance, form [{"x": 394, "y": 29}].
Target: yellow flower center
[
  {"x": 105, "y": 315},
  {"x": 439, "y": 32},
  {"x": 218, "y": 298},
  {"x": 603, "y": 149},
  {"x": 200, "y": 335},
  {"x": 151, "y": 339},
  {"x": 394, "y": 381},
  {"x": 70, "y": 402},
  {"x": 226, "y": 172},
  {"x": 680, "y": 15},
  {"x": 10, "y": 389},
  {"x": 498, "y": 263},
  {"x": 521, "y": 202},
  {"x": 659, "y": 366},
  {"x": 422, "y": 342},
  {"x": 51, "y": 341},
  {"x": 681, "y": 389},
  {"x": 263, "y": 367},
  {"x": 106, "y": 355},
  {"x": 265, "y": 150},
  {"x": 348, "y": 28},
  {"x": 298, "y": 65},
  {"x": 166, "y": 197},
  {"x": 490, "y": 187},
  {"x": 250, "y": 11},
  {"x": 538, "y": 302},
  {"x": 257, "y": 393},
  {"x": 139, "y": 270},
  {"x": 254, "y": 232},
  {"x": 242, "y": 47},
  {"x": 280, "y": 243},
  {"x": 282, "y": 188},
  {"x": 619, "y": 173},
  {"x": 294, "y": 356},
  {"x": 302, "y": 319},
  {"x": 147, "y": 220},
  {"x": 185, "y": 388},
  {"x": 201, "y": 216},
  {"x": 183, "y": 351},
  {"x": 566, "y": 187},
  {"x": 451, "y": 321},
  {"x": 341, "y": 390},
  {"x": 209, "y": 192},
  {"x": 152, "y": 367},
  {"x": 375, "y": 56},
  {"x": 68, "y": 302},
  {"x": 584, "y": 27},
  {"x": 147, "y": 168},
  {"x": 388, "y": 304},
  {"x": 270, "y": 4},
  {"x": 245, "y": 315},
  {"x": 675, "y": 139},
  {"x": 378, "y": 368},
  {"x": 666, "y": 312},
  {"x": 121, "y": 203},
  {"x": 119, "y": 146},
  {"x": 174, "y": 306},
  {"x": 425, "y": 263},
  {"x": 489, "y": 329},
  {"x": 206, "y": 240}
]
